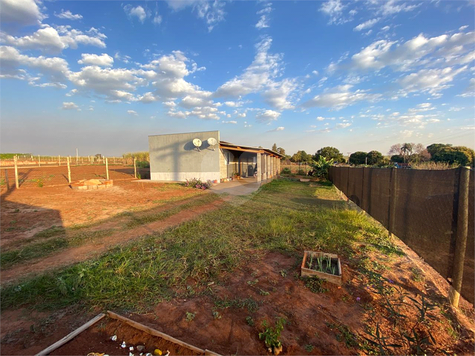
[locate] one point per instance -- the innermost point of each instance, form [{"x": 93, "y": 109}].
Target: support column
[
  {"x": 266, "y": 174},
  {"x": 259, "y": 168}
]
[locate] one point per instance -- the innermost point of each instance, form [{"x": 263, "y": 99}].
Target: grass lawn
[{"x": 284, "y": 217}]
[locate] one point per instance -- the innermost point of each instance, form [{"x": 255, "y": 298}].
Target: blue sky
[{"x": 101, "y": 76}]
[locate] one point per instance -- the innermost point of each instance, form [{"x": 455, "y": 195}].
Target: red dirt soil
[
  {"x": 27, "y": 211},
  {"x": 312, "y": 319},
  {"x": 97, "y": 339}
]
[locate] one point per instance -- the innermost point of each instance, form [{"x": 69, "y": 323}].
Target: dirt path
[{"x": 84, "y": 252}]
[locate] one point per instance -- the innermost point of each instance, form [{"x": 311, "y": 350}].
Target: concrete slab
[{"x": 244, "y": 186}]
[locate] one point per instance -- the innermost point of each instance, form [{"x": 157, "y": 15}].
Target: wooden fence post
[
  {"x": 39, "y": 161},
  {"x": 135, "y": 168},
  {"x": 107, "y": 169},
  {"x": 59, "y": 160},
  {"x": 69, "y": 170},
  {"x": 461, "y": 239},
  {"x": 16, "y": 173}
]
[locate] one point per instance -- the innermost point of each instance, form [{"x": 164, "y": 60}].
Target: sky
[{"x": 101, "y": 76}]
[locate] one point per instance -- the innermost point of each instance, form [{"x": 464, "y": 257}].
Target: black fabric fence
[{"x": 418, "y": 206}]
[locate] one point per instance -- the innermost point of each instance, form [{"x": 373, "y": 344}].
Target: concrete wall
[{"x": 174, "y": 157}]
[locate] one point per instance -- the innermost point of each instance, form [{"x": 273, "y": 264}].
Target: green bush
[
  {"x": 143, "y": 164},
  {"x": 286, "y": 170}
]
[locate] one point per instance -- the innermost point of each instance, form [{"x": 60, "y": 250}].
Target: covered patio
[{"x": 247, "y": 162}]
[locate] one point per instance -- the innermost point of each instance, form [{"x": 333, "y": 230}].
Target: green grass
[{"x": 283, "y": 216}]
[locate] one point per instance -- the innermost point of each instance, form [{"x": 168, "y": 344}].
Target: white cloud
[
  {"x": 340, "y": 97},
  {"x": 54, "y": 70},
  {"x": 157, "y": 19},
  {"x": 280, "y": 128},
  {"x": 68, "y": 15},
  {"x": 343, "y": 125},
  {"x": 229, "y": 122},
  {"x": 103, "y": 60},
  {"x": 429, "y": 80},
  {"x": 385, "y": 28},
  {"x": 132, "y": 112},
  {"x": 69, "y": 106},
  {"x": 114, "y": 84},
  {"x": 277, "y": 96},
  {"x": 212, "y": 12},
  {"x": 267, "y": 116},
  {"x": 418, "y": 51},
  {"x": 366, "y": 25},
  {"x": 320, "y": 118},
  {"x": 259, "y": 77},
  {"x": 20, "y": 13},
  {"x": 391, "y": 7},
  {"x": 334, "y": 9},
  {"x": 264, "y": 19},
  {"x": 263, "y": 22},
  {"x": 139, "y": 12},
  {"x": 470, "y": 91},
  {"x": 54, "y": 40}
]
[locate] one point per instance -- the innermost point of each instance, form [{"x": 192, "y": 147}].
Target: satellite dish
[
  {"x": 197, "y": 143},
  {"x": 212, "y": 141}
]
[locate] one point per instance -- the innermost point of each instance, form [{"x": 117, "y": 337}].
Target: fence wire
[{"x": 418, "y": 206}]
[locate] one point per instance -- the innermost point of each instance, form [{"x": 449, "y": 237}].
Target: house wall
[{"x": 174, "y": 157}]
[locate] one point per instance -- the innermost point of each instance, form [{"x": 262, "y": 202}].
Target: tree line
[{"x": 398, "y": 153}]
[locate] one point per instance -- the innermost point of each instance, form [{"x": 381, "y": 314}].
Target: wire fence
[{"x": 422, "y": 208}]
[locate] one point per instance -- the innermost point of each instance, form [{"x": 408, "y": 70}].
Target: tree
[
  {"x": 281, "y": 151},
  {"x": 301, "y": 157},
  {"x": 406, "y": 150},
  {"x": 274, "y": 147},
  {"x": 329, "y": 153},
  {"x": 436, "y": 147},
  {"x": 395, "y": 149},
  {"x": 358, "y": 158},
  {"x": 397, "y": 159},
  {"x": 374, "y": 157},
  {"x": 460, "y": 155}
]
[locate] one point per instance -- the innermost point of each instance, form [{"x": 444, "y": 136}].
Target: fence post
[
  {"x": 461, "y": 238},
  {"x": 39, "y": 161},
  {"x": 392, "y": 201},
  {"x": 16, "y": 173},
  {"x": 107, "y": 169},
  {"x": 59, "y": 160},
  {"x": 69, "y": 170},
  {"x": 135, "y": 168}
]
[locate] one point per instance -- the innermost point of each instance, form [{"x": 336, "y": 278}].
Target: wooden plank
[
  {"x": 154, "y": 332},
  {"x": 71, "y": 335}
]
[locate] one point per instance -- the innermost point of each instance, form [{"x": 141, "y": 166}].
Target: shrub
[
  {"x": 143, "y": 164},
  {"x": 321, "y": 167},
  {"x": 198, "y": 184},
  {"x": 301, "y": 172},
  {"x": 286, "y": 170}
]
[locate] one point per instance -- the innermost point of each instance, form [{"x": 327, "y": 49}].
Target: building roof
[{"x": 232, "y": 146}]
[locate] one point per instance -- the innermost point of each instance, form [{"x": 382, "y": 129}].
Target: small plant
[
  {"x": 323, "y": 264},
  {"x": 315, "y": 285},
  {"x": 139, "y": 176},
  {"x": 271, "y": 335},
  {"x": 216, "y": 315},
  {"x": 263, "y": 292},
  {"x": 286, "y": 170},
  {"x": 250, "y": 321},
  {"x": 283, "y": 272},
  {"x": 39, "y": 182},
  {"x": 417, "y": 275},
  {"x": 198, "y": 184},
  {"x": 309, "y": 348},
  {"x": 190, "y": 316}
]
